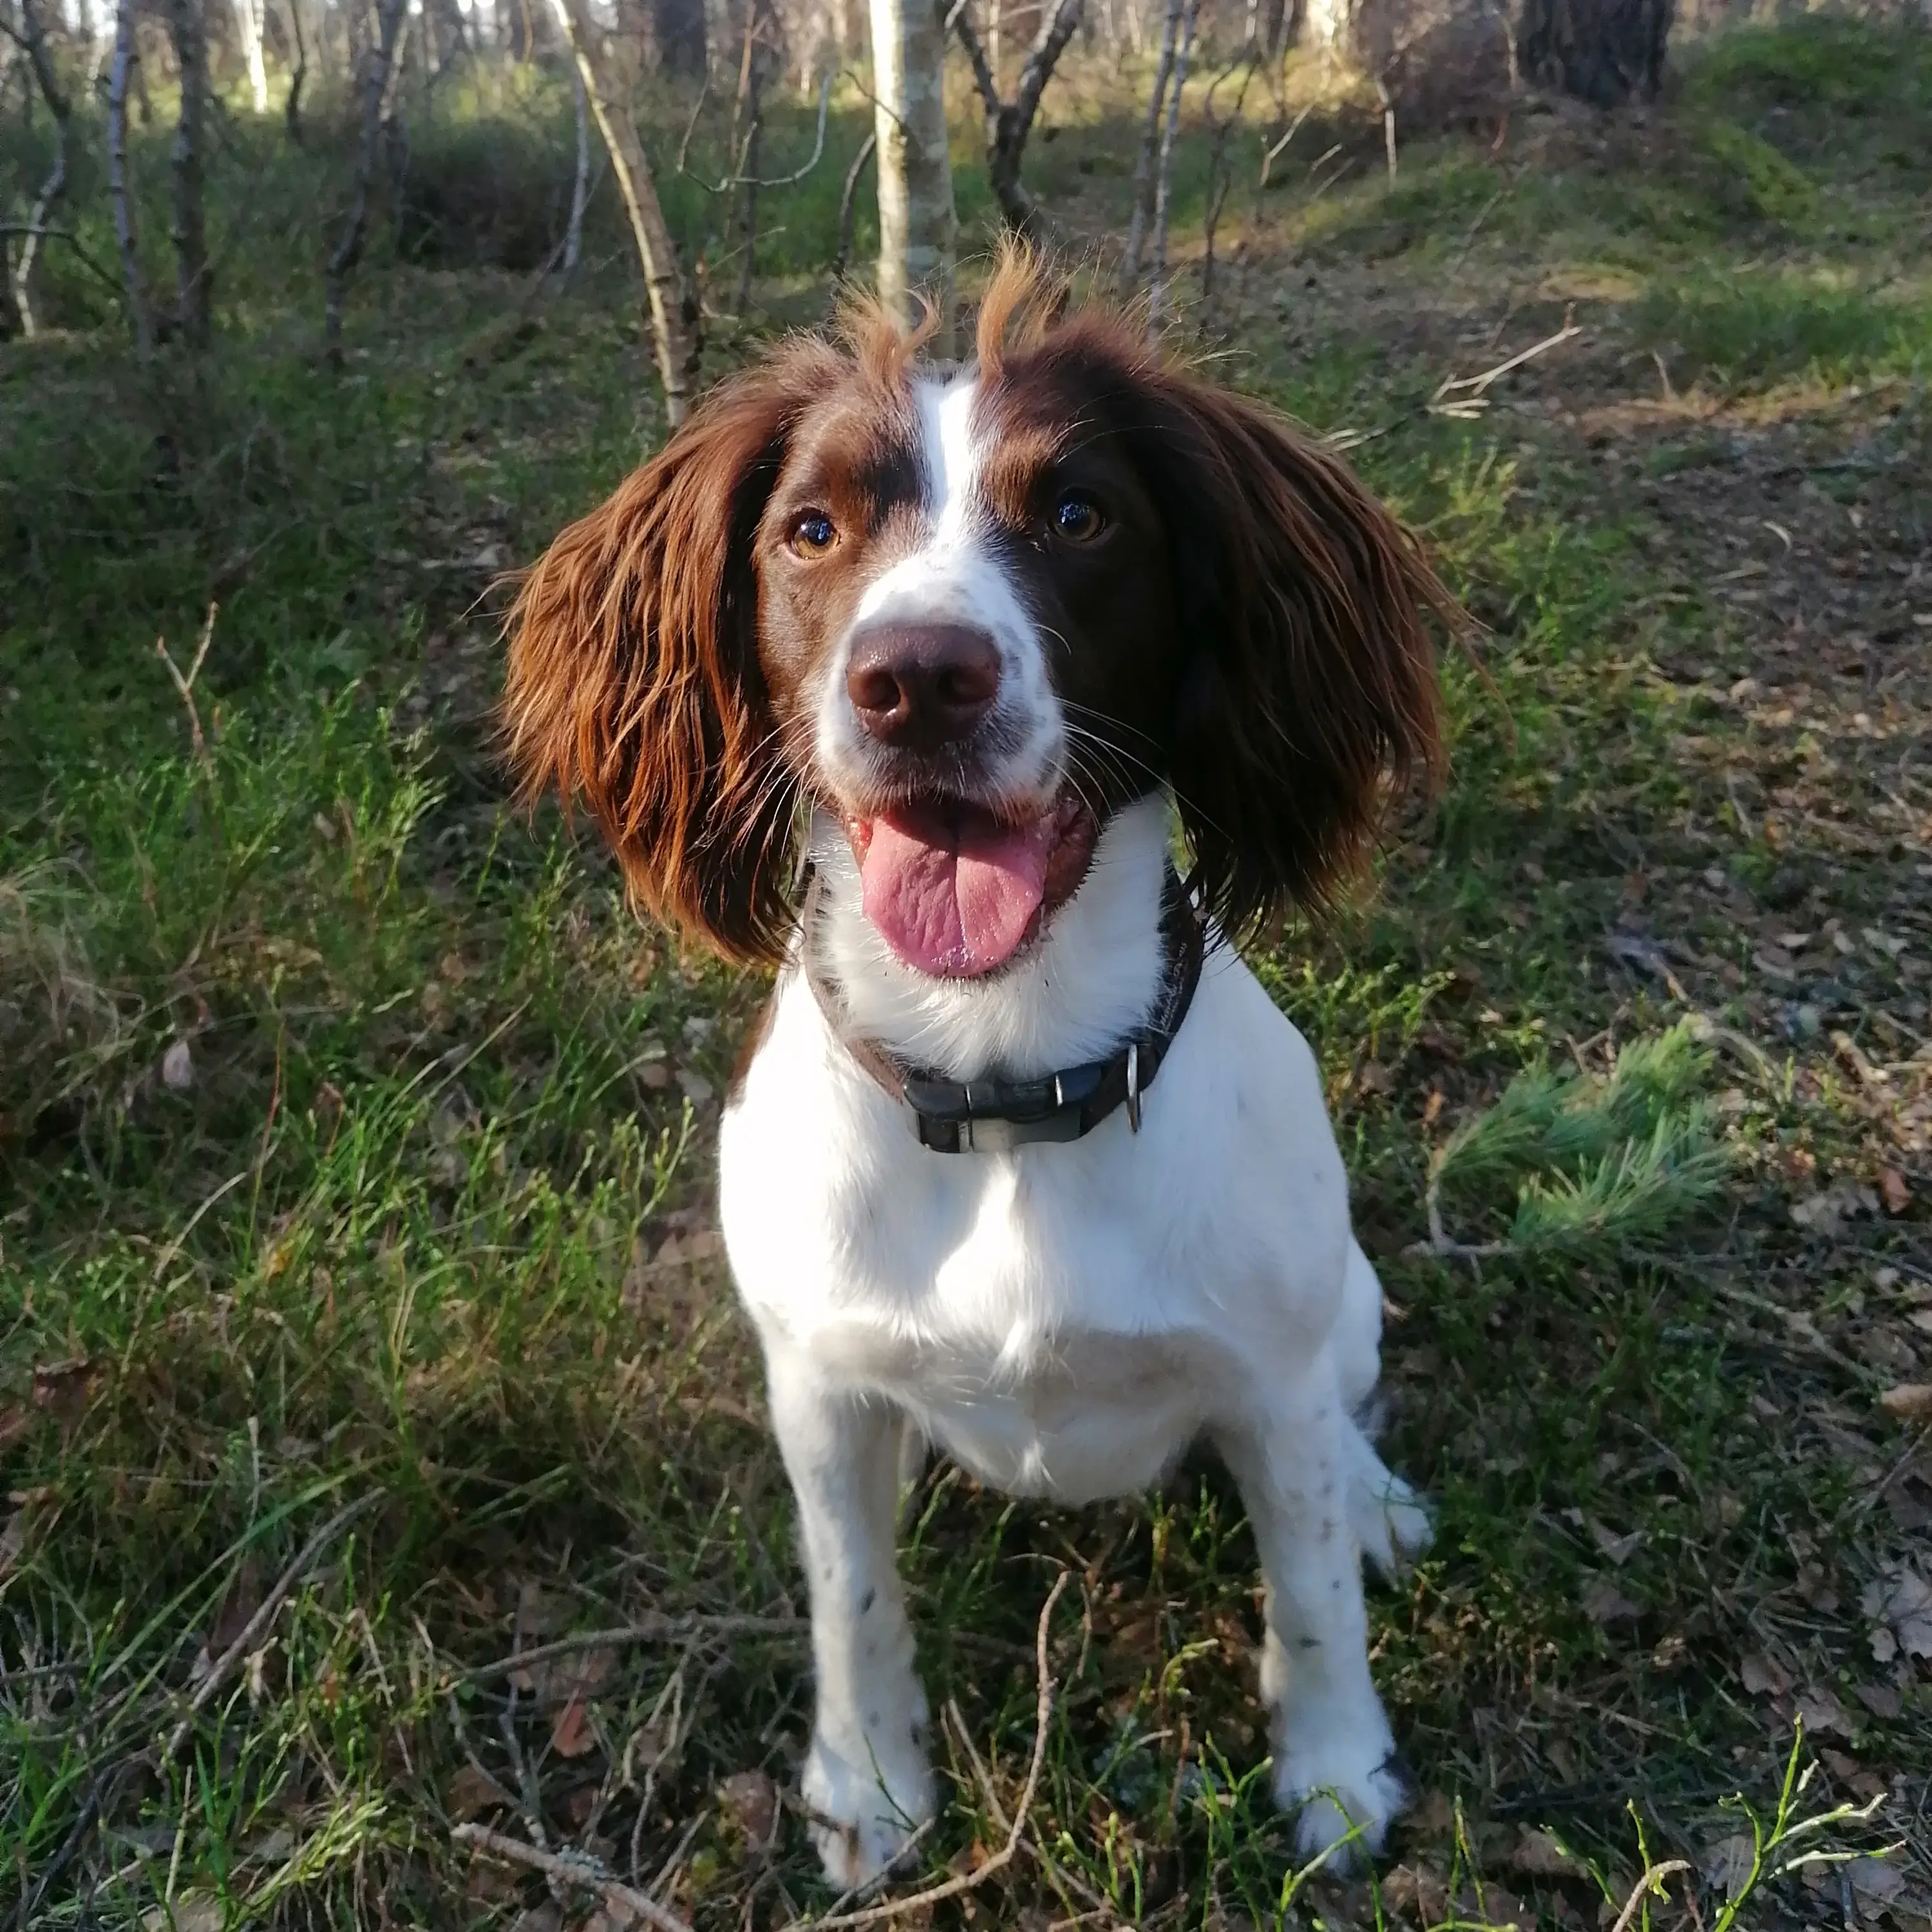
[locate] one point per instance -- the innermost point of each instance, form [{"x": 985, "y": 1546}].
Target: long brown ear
[
  {"x": 1312, "y": 681},
  {"x": 634, "y": 682}
]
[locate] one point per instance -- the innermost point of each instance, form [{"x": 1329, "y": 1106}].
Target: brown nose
[{"x": 919, "y": 686}]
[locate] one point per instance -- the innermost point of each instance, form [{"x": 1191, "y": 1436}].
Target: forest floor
[{"x": 362, "y": 1323}]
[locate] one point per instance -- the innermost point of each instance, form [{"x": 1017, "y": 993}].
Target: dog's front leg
[
  {"x": 1332, "y": 1742},
  {"x": 867, "y": 1773}
]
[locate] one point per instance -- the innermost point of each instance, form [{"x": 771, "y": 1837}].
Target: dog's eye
[
  {"x": 813, "y": 533},
  {"x": 1077, "y": 518}
]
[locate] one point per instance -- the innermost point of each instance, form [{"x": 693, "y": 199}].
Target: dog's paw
[
  {"x": 865, "y": 1810},
  {"x": 1391, "y": 1525},
  {"x": 1346, "y": 1790}
]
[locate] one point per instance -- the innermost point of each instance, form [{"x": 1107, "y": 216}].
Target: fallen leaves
[
  {"x": 1603, "y": 1603},
  {"x": 1908, "y": 1402},
  {"x": 1900, "y": 1604},
  {"x": 178, "y": 1068},
  {"x": 751, "y": 1799}
]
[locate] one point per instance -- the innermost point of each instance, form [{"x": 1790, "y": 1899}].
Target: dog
[{"x": 900, "y": 677}]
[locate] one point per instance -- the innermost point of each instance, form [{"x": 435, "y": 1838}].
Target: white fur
[
  {"x": 953, "y": 575},
  {"x": 1064, "y": 1320}
]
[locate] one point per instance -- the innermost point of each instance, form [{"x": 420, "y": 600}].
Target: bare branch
[
  {"x": 848, "y": 205},
  {"x": 577, "y": 1869},
  {"x": 734, "y": 181}
]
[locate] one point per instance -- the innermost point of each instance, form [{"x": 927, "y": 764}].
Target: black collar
[{"x": 994, "y": 1115}]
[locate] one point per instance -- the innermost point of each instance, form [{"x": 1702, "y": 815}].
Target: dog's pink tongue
[{"x": 954, "y": 898}]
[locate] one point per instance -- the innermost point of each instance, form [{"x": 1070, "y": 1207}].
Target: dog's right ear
[{"x": 633, "y": 680}]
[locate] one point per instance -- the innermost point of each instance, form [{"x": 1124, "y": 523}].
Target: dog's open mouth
[{"x": 956, "y": 889}]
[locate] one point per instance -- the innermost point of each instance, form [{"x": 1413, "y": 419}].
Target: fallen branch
[
  {"x": 185, "y": 685},
  {"x": 572, "y": 1868},
  {"x": 656, "y": 1629},
  {"x": 1652, "y": 1880},
  {"x": 952, "y": 1888},
  {"x": 1446, "y": 402}
]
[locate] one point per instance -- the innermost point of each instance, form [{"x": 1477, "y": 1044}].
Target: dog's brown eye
[
  {"x": 1077, "y": 518},
  {"x": 813, "y": 533}
]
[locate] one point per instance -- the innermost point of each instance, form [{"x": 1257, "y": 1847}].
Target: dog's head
[{"x": 971, "y": 613}]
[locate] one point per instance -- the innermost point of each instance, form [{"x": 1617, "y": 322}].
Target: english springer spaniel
[{"x": 900, "y": 677}]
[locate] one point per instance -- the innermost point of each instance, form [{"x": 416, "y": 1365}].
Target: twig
[
  {"x": 224, "y": 1666},
  {"x": 848, "y": 205},
  {"x": 1275, "y": 151},
  {"x": 732, "y": 181},
  {"x": 572, "y": 1867},
  {"x": 1652, "y": 1880},
  {"x": 1442, "y": 1244},
  {"x": 185, "y": 685},
  {"x": 877, "y": 1914},
  {"x": 1446, "y": 402},
  {"x": 659, "y": 1629}
]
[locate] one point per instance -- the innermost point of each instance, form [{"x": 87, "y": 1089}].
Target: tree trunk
[
  {"x": 1602, "y": 51},
  {"x": 1009, "y": 122},
  {"x": 580, "y": 181},
  {"x": 1158, "y": 303},
  {"x": 34, "y": 33},
  {"x": 125, "y": 54},
  {"x": 374, "y": 86},
  {"x": 291, "y": 107},
  {"x": 677, "y": 36},
  {"x": 1137, "y": 221},
  {"x": 918, "y": 230},
  {"x": 249, "y": 23},
  {"x": 189, "y": 30},
  {"x": 673, "y": 323}
]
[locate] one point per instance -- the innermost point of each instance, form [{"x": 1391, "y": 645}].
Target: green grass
[{"x": 355, "y": 1142}]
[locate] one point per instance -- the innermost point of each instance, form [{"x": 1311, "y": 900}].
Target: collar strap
[{"x": 995, "y": 1115}]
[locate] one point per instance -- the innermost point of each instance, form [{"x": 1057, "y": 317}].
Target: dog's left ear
[{"x": 1312, "y": 681}]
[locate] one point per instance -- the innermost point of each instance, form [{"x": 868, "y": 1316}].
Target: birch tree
[
  {"x": 125, "y": 55},
  {"x": 674, "y": 319},
  {"x": 918, "y": 230},
  {"x": 373, "y": 84},
  {"x": 248, "y": 23},
  {"x": 1009, "y": 122},
  {"x": 39, "y": 59},
  {"x": 189, "y": 30}
]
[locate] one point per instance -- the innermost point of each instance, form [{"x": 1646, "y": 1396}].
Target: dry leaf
[
  {"x": 1617, "y": 1549},
  {"x": 571, "y": 1735},
  {"x": 701, "y": 1244},
  {"x": 62, "y": 1387},
  {"x": 752, "y": 1799},
  {"x": 1823, "y": 1714},
  {"x": 1909, "y": 1401},
  {"x": 1881, "y": 1700},
  {"x": 1892, "y": 1190},
  {"x": 1419, "y": 1890},
  {"x": 1603, "y": 1603},
  {"x": 1877, "y": 1880},
  {"x": 581, "y": 1674},
  {"x": 1537, "y": 1854},
  {"x": 178, "y": 1068},
  {"x": 470, "y": 1793},
  {"x": 1901, "y": 1606},
  {"x": 1727, "y": 1864},
  {"x": 197, "y": 1913},
  {"x": 15, "y": 1421},
  {"x": 544, "y": 1918},
  {"x": 1763, "y": 1676}
]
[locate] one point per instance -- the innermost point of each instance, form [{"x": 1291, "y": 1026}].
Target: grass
[{"x": 355, "y": 1143}]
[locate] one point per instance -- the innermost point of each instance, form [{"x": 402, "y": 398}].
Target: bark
[
  {"x": 1602, "y": 51},
  {"x": 39, "y": 58},
  {"x": 373, "y": 84},
  {"x": 189, "y": 29},
  {"x": 580, "y": 181},
  {"x": 125, "y": 55},
  {"x": 673, "y": 321},
  {"x": 1009, "y": 122},
  {"x": 1158, "y": 303},
  {"x": 249, "y": 23},
  {"x": 756, "y": 65},
  {"x": 918, "y": 230},
  {"x": 298, "y": 74},
  {"x": 677, "y": 36},
  {"x": 1144, "y": 161}
]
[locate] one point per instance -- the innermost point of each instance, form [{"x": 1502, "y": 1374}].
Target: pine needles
[{"x": 1591, "y": 1163}]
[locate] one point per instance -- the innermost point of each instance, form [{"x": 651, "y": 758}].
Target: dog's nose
[{"x": 921, "y": 686}]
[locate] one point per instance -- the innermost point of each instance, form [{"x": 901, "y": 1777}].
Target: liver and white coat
[{"x": 977, "y": 638}]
